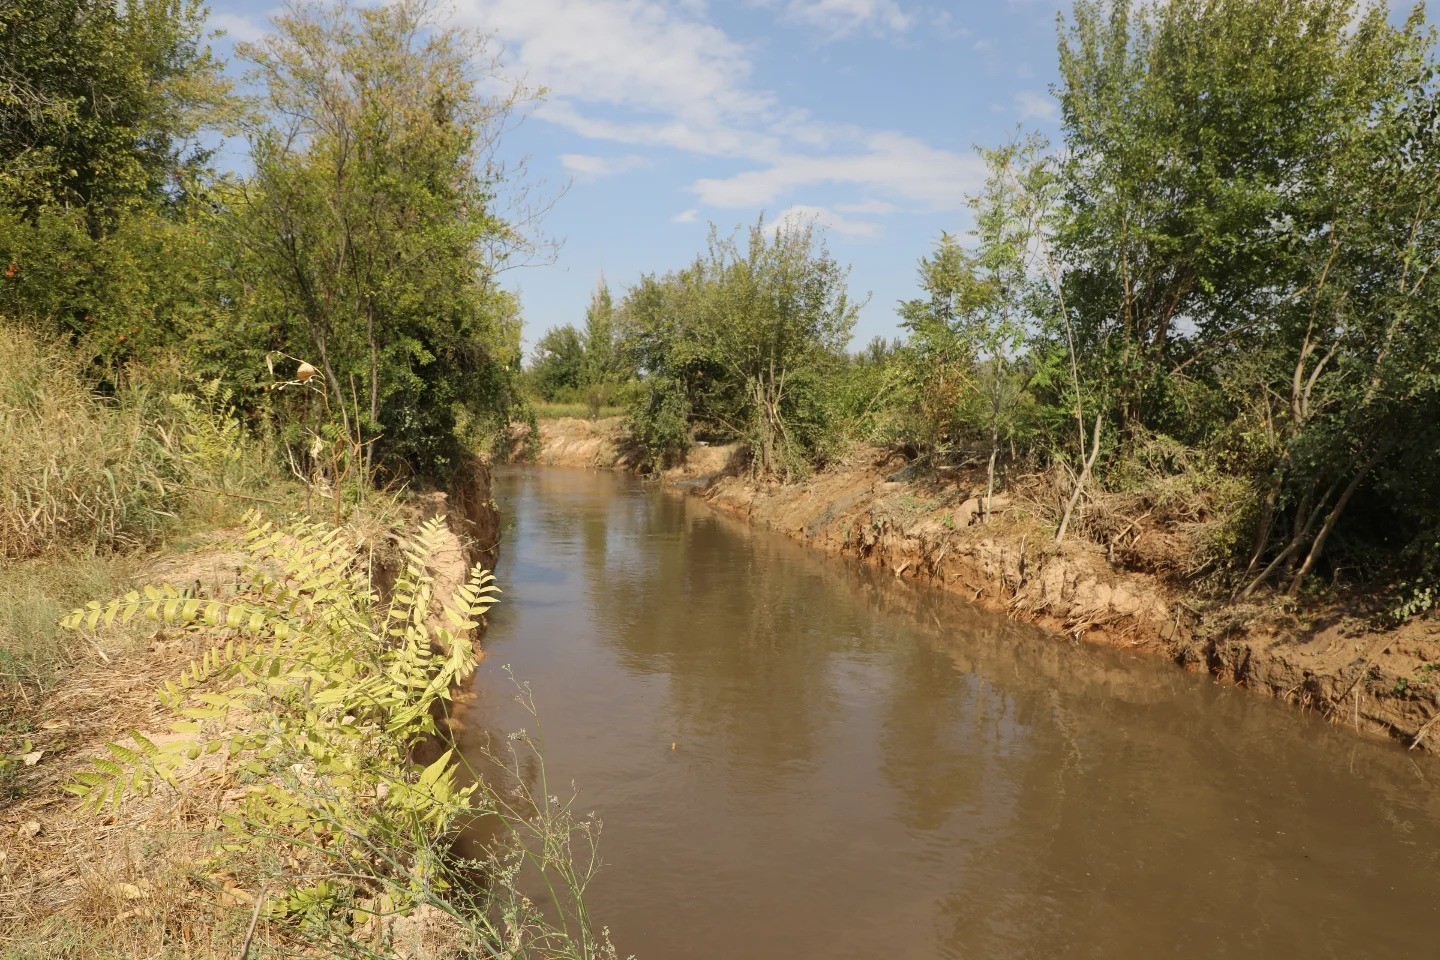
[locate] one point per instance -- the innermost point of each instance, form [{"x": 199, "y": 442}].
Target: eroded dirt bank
[{"x": 1329, "y": 659}]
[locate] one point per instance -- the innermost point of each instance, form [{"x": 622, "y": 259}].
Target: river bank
[
  {"x": 211, "y": 857},
  {"x": 1325, "y": 657}
]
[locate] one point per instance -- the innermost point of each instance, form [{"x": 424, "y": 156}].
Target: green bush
[{"x": 660, "y": 421}]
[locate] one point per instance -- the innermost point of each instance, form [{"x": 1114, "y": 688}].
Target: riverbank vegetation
[
  {"x": 1210, "y": 308},
  {"x": 222, "y": 397},
  {"x": 174, "y": 338}
]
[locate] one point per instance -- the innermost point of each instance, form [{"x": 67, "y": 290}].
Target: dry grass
[
  {"x": 577, "y": 411},
  {"x": 113, "y": 885},
  {"x": 78, "y": 470},
  {"x": 34, "y": 595}
]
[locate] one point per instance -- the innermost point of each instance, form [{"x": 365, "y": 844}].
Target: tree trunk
[
  {"x": 1318, "y": 546},
  {"x": 1263, "y": 527},
  {"x": 374, "y": 387},
  {"x": 1081, "y": 480},
  {"x": 990, "y": 471}
]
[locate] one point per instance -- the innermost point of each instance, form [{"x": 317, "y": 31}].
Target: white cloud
[
  {"x": 713, "y": 140},
  {"x": 874, "y": 208},
  {"x": 651, "y": 74},
  {"x": 891, "y": 162},
  {"x": 842, "y": 17},
  {"x": 586, "y": 168},
  {"x": 983, "y": 46},
  {"x": 238, "y": 27},
  {"x": 639, "y": 54},
  {"x": 686, "y": 216},
  {"x": 800, "y": 214},
  {"x": 1036, "y": 106}
]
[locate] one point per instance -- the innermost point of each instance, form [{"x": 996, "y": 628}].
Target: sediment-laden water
[{"x": 795, "y": 757}]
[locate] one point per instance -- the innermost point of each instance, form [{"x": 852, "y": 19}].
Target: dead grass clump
[
  {"x": 34, "y": 596},
  {"x": 78, "y": 469},
  {"x": 1165, "y": 510}
]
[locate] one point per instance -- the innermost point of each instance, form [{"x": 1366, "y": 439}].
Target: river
[{"x": 797, "y": 757}]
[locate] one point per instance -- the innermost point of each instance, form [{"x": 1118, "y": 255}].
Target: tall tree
[
  {"x": 602, "y": 358},
  {"x": 372, "y": 220},
  {"x": 940, "y": 356},
  {"x": 101, "y": 104},
  {"x": 774, "y": 312},
  {"x": 105, "y": 217},
  {"x": 559, "y": 362},
  {"x": 1196, "y": 134}
]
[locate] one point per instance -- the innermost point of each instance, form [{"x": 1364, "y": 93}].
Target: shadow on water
[{"x": 798, "y": 757}]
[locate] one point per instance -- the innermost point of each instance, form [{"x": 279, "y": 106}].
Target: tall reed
[{"x": 78, "y": 470}]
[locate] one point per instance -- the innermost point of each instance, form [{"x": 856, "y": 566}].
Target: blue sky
[{"x": 664, "y": 115}]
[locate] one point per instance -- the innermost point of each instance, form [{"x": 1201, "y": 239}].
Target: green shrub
[
  {"x": 318, "y": 695},
  {"x": 660, "y": 421}
]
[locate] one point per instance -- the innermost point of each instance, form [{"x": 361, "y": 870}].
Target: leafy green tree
[
  {"x": 605, "y": 367},
  {"x": 558, "y": 368},
  {"x": 101, "y": 104},
  {"x": 1349, "y": 363},
  {"x": 371, "y": 229},
  {"x": 1007, "y": 227},
  {"x": 774, "y": 314},
  {"x": 1246, "y": 183},
  {"x": 939, "y": 355},
  {"x": 750, "y": 332},
  {"x": 602, "y": 355},
  {"x": 106, "y": 215},
  {"x": 878, "y": 352},
  {"x": 1195, "y": 134}
]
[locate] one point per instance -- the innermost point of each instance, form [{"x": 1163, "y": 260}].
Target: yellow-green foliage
[
  {"x": 210, "y": 434},
  {"x": 77, "y": 469},
  {"x": 314, "y": 692}
]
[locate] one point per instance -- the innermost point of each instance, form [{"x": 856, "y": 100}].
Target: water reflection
[{"x": 797, "y": 758}]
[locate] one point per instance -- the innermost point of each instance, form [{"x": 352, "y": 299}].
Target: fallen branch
[{"x": 1420, "y": 734}]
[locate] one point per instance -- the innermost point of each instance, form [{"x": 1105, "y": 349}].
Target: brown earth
[{"x": 1325, "y": 657}]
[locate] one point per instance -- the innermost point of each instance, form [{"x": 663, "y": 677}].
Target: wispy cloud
[
  {"x": 889, "y": 162},
  {"x": 1036, "y": 106},
  {"x": 943, "y": 22},
  {"x": 650, "y": 74},
  {"x": 238, "y": 27},
  {"x": 874, "y": 208},
  {"x": 585, "y": 167},
  {"x": 686, "y": 216},
  {"x": 839, "y": 18},
  {"x": 801, "y": 214}
]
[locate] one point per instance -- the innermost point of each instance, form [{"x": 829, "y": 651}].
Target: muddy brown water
[{"x": 867, "y": 768}]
